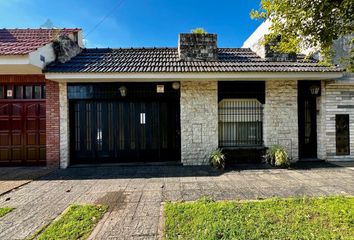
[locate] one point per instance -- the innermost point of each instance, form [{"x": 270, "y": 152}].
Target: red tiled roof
[{"x": 24, "y": 41}]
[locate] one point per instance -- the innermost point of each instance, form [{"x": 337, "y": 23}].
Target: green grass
[
  {"x": 5, "y": 210},
  {"x": 293, "y": 218},
  {"x": 76, "y": 222}
]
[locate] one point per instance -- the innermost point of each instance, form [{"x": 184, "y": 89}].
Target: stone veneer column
[
  {"x": 321, "y": 122},
  {"x": 199, "y": 121},
  {"x": 52, "y": 124},
  {"x": 64, "y": 126},
  {"x": 281, "y": 116}
]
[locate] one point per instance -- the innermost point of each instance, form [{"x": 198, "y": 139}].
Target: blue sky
[{"x": 136, "y": 23}]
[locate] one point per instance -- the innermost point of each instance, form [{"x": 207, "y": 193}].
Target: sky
[{"x": 136, "y": 23}]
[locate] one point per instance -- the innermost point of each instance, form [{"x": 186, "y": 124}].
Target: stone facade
[
  {"x": 281, "y": 116},
  {"x": 337, "y": 98},
  {"x": 198, "y": 47},
  {"x": 52, "y": 124},
  {"x": 199, "y": 121},
  {"x": 64, "y": 126}
]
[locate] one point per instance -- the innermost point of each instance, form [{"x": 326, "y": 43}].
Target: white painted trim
[
  {"x": 156, "y": 77},
  {"x": 14, "y": 60}
]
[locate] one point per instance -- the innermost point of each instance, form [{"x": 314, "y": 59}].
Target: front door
[
  {"x": 124, "y": 131},
  {"x": 307, "y": 121}
]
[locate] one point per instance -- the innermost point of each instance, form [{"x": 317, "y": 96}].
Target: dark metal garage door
[{"x": 124, "y": 130}]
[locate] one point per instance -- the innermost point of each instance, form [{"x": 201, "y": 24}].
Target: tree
[{"x": 313, "y": 24}]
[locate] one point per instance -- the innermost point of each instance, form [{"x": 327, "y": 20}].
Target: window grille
[{"x": 240, "y": 123}]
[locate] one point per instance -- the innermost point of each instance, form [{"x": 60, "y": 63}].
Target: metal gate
[{"x": 123, "y": 131}]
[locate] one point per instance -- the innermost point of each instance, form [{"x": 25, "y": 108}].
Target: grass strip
[
  {"x": 275, "y": 218},
  {"x": 5, "y": 210},
  {"x": 76, "y": 222}
]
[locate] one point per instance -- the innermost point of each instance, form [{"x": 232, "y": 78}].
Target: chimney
[{"x": 197, "y": 47}]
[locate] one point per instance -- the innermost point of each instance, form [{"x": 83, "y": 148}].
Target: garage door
[
  {"x": 22, "y": 125},
  {"x": 124, "y": 132},
  {"x": 22, "y": 133}
]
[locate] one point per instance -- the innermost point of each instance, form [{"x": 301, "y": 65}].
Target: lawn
[
  {"x": 293, "y": 218},
  {"x": 76, "y": 222},
  {"x": 5, "y": 210}
]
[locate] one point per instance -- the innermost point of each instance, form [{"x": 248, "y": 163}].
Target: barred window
[{"x": 240, "y": 123}]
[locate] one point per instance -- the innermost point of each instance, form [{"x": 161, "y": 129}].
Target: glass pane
[
  {"x": 18, "y": 92},
  {"x": 342, "y": 134},
  {"x": 1, "y": 92},
  {"x": 43, "y": 91},
  {"x": 28, "y": 92},
  {"x": 37, "y": 92}
]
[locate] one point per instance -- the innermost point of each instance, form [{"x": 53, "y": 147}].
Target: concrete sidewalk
[
  {"x": 135, "y": 194},
  {"x": 14, "y": 177}
]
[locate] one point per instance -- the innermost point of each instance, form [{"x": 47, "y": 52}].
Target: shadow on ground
[{"x": 143, "y": 171}]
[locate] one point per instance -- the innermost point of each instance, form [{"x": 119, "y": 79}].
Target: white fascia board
[
  {"x": 14, "y": 60},
  {"x": 156, "y": 77}
]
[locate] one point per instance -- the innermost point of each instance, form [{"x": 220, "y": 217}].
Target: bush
[
  {"x": 277, "y": 156},
  {"x": 199, "y": 31},
  {"x": 217, "y": 158}
]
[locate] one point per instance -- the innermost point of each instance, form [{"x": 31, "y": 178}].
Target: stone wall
[
  {"x": 64, "y": 125},
  {"x": 338, "y": 99},
  {"x": 199, "y": 121},
  {"x": 281, "y": 116},
  {"x": 321, "y": 123}
]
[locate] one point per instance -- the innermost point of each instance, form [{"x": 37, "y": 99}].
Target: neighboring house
[
  {"x": 333, "y": 124},
  {"x": 179, "y": 104},
  {"x": 23, "y": 55}
]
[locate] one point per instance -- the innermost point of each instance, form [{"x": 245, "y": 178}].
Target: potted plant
[
  {"x": 277, "y": 156},
  {"x": 217, "y": 159}
]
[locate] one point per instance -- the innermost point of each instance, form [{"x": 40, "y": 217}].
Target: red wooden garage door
[{"x": 22, "y": 130}]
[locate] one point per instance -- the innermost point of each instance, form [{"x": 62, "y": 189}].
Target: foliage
[
  {"x": 305, "y": 24},
  {"x": 277, "y": 156},
  {"x": 77, "y": 222},
  {"x": 293, "y": 218},
  {"x": 199, "y": 31},
  {"x": 217, "y": 158},
  {"x": 5, "y": 210}
]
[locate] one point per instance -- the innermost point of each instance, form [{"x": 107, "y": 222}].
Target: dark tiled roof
[
  {"x": 160, "y": 60},
  {"x": 24, "y": 41}
]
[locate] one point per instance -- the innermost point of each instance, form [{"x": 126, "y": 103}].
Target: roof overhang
[
  {"x": 31, "y": 63},
  {"x": 17, "y": 64},
  {"x": 163, "y": 77}
]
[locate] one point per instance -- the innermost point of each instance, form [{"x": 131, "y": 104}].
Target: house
[
  {"x": 179, "y": 104},
  {"x": 23, "y": 113}
]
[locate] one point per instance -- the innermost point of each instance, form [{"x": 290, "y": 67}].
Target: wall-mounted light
[
  {"x": 314, "y": 89},
  {"x": 123, "y": 91},
  {"x": 176, "y": 85}
]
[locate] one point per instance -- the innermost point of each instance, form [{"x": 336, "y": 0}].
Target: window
[
  {"x": 18, "y": 92},
  {"x": 37, "y": 92},
  {"x": 28, "y": 92},
  {"x": 240, "y": 123},
  {"x": 22, "y": 91},
  {"x": 342, "y": 134}
]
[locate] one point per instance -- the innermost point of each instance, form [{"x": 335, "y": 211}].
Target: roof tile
[
  {"x": 24, "y": 41},
  {"x": 147, "y": 60}
]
